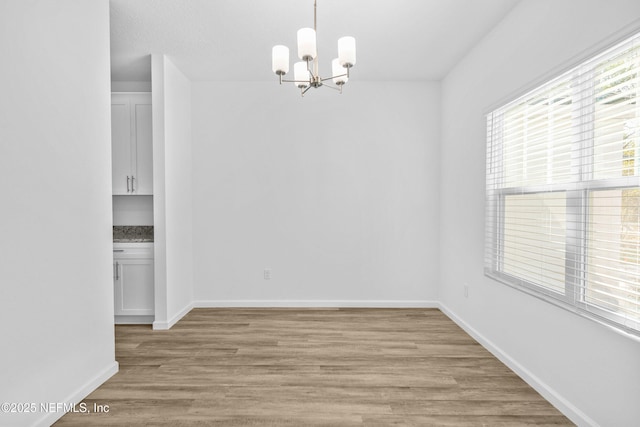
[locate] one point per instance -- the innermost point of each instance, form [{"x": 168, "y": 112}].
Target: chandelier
[{"x": 305, "y": 72}]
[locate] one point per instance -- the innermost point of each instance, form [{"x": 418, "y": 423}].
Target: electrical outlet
[
  {"x": 466, "y": 290},
  {"x": 267, "y": 274}
]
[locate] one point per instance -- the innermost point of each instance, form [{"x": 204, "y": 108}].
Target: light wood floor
[{"x": 302, "y": 367}]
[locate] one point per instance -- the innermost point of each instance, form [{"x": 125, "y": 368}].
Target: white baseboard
[
  {"x": 133, "y": 320},
  {"x": 557, "y": 400},
  {"x": 315, "y": 304},
  {"x": 77, "y": 396},
  {"x": 164, "y": 325}
]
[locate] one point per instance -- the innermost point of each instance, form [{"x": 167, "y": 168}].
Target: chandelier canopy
[{"x": 305, "y": 72}]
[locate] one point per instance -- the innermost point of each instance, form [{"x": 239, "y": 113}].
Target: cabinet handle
[
  {"x": 114, "y": 271},
  {"x": 117, "y": 272},
  {"x": 133, "y": 188},
  {"x": 118, "y": 250},
  {"x": 127, "y": 183}
]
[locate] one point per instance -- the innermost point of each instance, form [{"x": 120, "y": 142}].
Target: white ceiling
[{"x": 232, "y": 39}]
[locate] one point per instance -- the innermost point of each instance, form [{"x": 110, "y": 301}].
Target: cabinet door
[
  {"x": 133, "y": 291},
  {"x": 120, "y": 143},
  {"x": 142, "y": 134}
]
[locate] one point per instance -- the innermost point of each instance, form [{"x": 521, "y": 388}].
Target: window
[{"x": 563, "y": 189}]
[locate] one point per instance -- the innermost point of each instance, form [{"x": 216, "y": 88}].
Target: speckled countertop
[{"x": 132, "y": 233}]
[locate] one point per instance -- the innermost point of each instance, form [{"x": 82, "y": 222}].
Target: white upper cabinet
[
  {"x": 131, "y": 143},
  {"x": 120, "y": 144}
]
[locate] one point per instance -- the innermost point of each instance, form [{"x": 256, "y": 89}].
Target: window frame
[{"x": 578, "y": 194}]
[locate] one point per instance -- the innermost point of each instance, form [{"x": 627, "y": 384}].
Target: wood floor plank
[{"x": 311, "y": 367}]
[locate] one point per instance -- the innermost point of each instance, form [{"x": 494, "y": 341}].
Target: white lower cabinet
[{"x": 133, "y": 283}]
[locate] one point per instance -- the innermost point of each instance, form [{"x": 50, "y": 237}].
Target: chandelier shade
[
  {"x": 301, "y": 74},
  {"x": 307, "y": 44},
  {"x": 305, "y": 73},
  {"x": 347, "y": 51},
  {"x": 280, "y": 59},
  {"x": 337, "y": 70}
]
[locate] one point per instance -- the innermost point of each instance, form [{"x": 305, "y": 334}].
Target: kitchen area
[
  {"x": 132, "y": 184},
  {"x": 152, "y": 198}
]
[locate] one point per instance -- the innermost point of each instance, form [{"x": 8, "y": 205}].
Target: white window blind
[{"x": 563, "y": 189}]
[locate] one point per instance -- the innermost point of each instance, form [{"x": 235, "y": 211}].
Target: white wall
[
  {"x": 117, "y": 86},
  {"x": 132, "y": 210},
  {"x": 173, "y": 194},
  {"x": 56, "y": 303},
  {"x": 337, "y": 194},
  {"x": 590, "y": 372}
]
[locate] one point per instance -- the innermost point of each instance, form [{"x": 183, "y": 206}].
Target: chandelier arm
[
  {"x": 333, "y": 87},
  {"x": 295, "y": 81},
  {"x": 311, "y": 74},
  {"x": 333, "y": 77}
]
